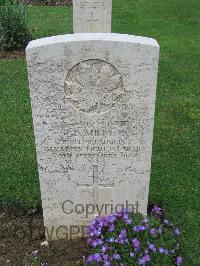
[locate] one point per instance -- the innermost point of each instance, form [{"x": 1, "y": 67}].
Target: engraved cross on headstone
[
  {"x": 92, "y": 20},
  {"x": 95, "y": 185}
]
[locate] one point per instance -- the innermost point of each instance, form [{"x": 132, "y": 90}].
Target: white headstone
[
  {"x": 92, "y": 15},
  {"x": 93, "y": 100}
]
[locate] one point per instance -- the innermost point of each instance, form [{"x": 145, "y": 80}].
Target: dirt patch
[
  {"x": 48, "y": 2},
  {"x": 12, "y": 54},
  {"x": 22, "y": 232}
]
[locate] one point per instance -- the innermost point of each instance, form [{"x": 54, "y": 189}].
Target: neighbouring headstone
[
  {"x": 92, "y": 16},
  {"x": 93, "y": 101}
]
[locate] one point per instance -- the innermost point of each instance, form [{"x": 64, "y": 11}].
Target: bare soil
[
  {"x": 22, "y": 232},
  {"x": 48, "y": 2},
  {"x": 12, "y": 54}
]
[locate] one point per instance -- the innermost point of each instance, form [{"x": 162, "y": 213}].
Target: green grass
[
  {"x": 175, "y": 178},
  {"x": 18, "y": 176}
]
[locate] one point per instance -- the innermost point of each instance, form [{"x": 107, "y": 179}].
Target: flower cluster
[{"x": 125, "y": 238}]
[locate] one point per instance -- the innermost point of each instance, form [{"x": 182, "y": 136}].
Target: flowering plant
[{"x": 125, "y": 238}]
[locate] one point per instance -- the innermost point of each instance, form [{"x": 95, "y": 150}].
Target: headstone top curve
[{"x": 115, "y": 37}]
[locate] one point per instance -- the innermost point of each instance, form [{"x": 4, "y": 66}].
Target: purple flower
[
  {"x": 157, "y": 211},
  {"x": 94, "y": 244},
  {"x": 127, "y": 210},
  {"x": 153, "y": 231},
  {"x": 95, "y": 233},
  {"x": 128, "y": 221},
  {"x": 98, "y": 232},
  {"x": 111, "y": 218},
  {"x": 89, "y": 240},
  {"x": 91, "y": 234},
  {"x": 144, "y": 260},
  {"x": 161, "y": 250},
  {"x": 100, "y": 241},
  {"x": 166, "y": 221},
  {"x": 179, "y": 260},
  {"x": 136, "y": 228},
  {"x": 152, "y": 248},
  {"x": 103, "y": 221},
  {"x": 123, "y": 234},
  {"x": 97, "y": 257},
  {"x": 106, "y": 263},
  {"x": 146, "y": 220},
  {"x": 177, "y": 231},
  {"x": 122, "y": 237},
  {"x": 125, "y": 217},
  {"x": 90, "y": 259},
  {"x": 106, "y": 257},
  {"x": 94, "y": 222},
  {"x": 132, "y": 254},
  {"x": 142, "y": 228},
  {"x": 166, "y": 251},
  {"x": 112, "y": 228},
  {"x": 136, "y": 243},
  {"x": 103, "y": 249},
  {"x": 34, "y": 253},
  {"x": 111, "y": 240},
  {"x": 120, "y": 214},
  {"x": 116, "y": 257}
]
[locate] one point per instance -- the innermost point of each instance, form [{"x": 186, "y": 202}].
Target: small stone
[
  {"x": 44, "y": 243},
  {"x": 31, "y": 211},
  {"x": 2, "y": 216}
]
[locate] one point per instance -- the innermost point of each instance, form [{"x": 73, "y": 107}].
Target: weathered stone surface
[
  {"x": 92, "y": 15},
  {"x": 93, "y": 99}
]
